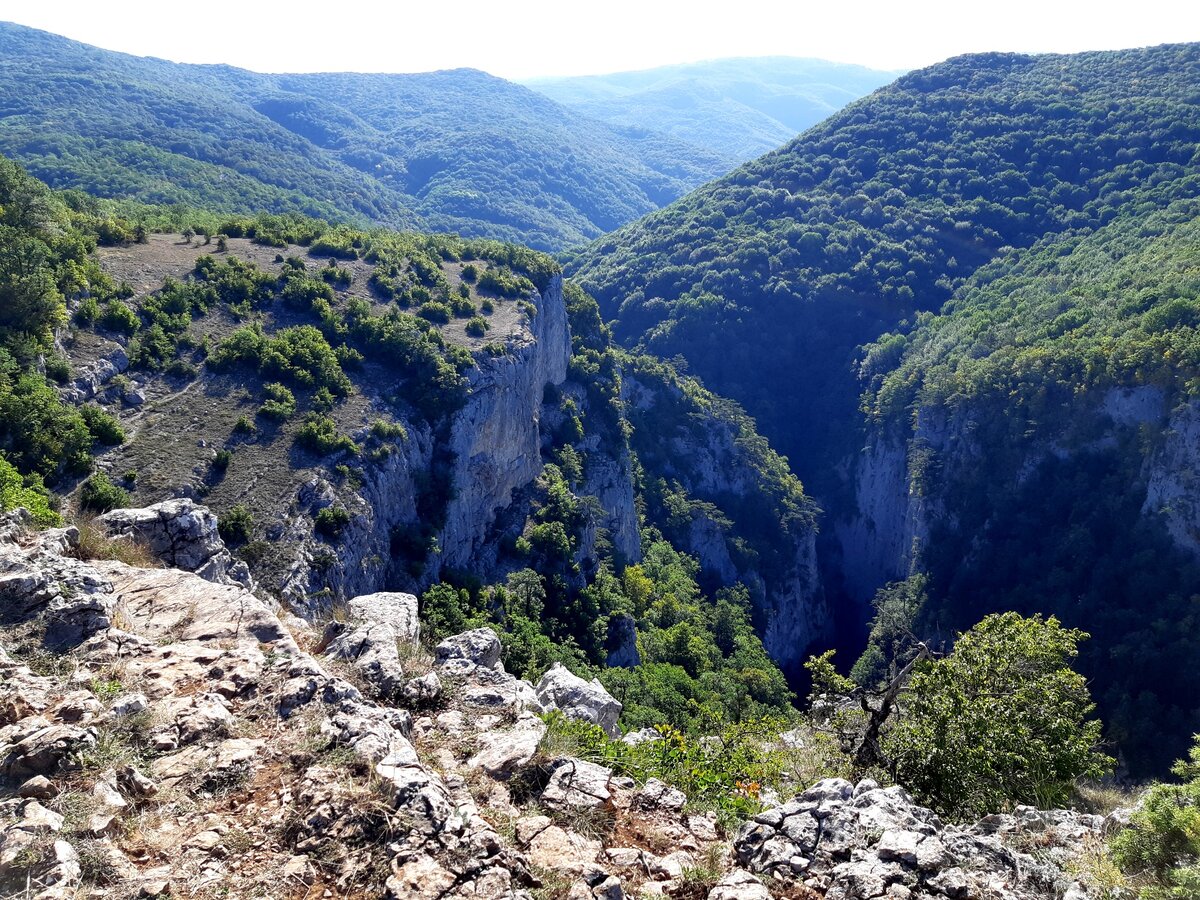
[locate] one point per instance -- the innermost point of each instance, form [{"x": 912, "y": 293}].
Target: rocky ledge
[{"x": 161, "y": 733}]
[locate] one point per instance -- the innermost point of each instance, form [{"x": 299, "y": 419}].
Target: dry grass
[
  {"x": 96, "y": 544},
  {"x": 1094, "y": 866},
  {"x": 1103, "y": 798}
]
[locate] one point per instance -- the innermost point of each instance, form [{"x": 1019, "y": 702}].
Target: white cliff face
[
  {"x": 361, "y": 560},
  {"x": 609, "y": 479},
  {"x": 884, "y": 538},
  {"x": 879, "y": 542},
  {"x": 496, "y": 437},
  {"x": 1173, "y": 478}
]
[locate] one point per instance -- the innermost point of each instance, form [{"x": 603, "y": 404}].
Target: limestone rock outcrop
[
  {"x": 857, "y": 842},
  {"x": 183, "y": 535}
]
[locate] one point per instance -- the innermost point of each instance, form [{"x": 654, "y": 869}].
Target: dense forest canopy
[
  {"x": 452, "y": 151},
  {"x": 882, "y": 211}
]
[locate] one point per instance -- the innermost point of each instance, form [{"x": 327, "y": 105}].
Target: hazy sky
[{"x": 526, "y": 38}]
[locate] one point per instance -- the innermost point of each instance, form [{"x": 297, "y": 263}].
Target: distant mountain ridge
[
  {"x": 739, "y": 107},
  {"x": 457, "y": 150}
]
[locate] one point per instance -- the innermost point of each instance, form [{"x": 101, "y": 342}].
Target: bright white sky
[{"x": 526, "y": 38}]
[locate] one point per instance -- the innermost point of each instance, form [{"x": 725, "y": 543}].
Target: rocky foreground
[{"x": 168, "y": 732}]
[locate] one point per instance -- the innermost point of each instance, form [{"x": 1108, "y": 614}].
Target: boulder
[
  {"x": 739, "y": 885},
  {"x": 503, "y": 752},
  {"x": 422, "y": 692},
  {"x": 371, "y": 648},
  {"x": 480, "y": 647},
  {"x": 585, "y": 701},
  {"x": 574, "y": 782},
  {"x": 391, "y": 608},
  {"x": 863, "y": 841}
]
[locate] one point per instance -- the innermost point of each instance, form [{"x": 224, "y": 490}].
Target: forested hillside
[
  {"x": 738, "y": 108},
  {"x": 456, "y": 150},
  {"x": 1046, "y": 419},
  {"x": 369, "y": 410},
  {"x": 1030, "y": 447},
  {"x": 882, "y": 211}
]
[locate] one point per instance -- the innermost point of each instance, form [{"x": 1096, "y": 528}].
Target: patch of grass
[{"x": 95, "y": 543}]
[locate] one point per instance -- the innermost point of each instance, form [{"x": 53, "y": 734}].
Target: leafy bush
[
  {"x": 387, "y": 431},
  {"x": 504, "y": 284},
  {"x": 1161, "y": 847},
  {"x": 104, "y": 427},
  {"x": 58, "y": 369},
  {"x": 119, "y": 317},
  {"x": 280, "y": 403},
  {"x": 100, "y": 495},
  {"x": 87, "y": 312},
  {"x": 27, "y": 492},
  {"x": 320, "y": 435},
  {"x": 726, "y": 772},
  {"x": 40, "y": 432},
  {"x": 331, "y": 521},
  {"x": 438, "y": 313},
  {"x": 236, "y": 526},
  {"x": 1001, "y": 720},
  {"x": 477, "y": 326},
  {"x": 299, "y": 354}
]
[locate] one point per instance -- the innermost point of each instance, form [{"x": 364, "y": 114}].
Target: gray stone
[
  {"x": 574, "y": 782},
  {"x": 480, "y": 647},
  {"x": 739, "y": 885},
  {"x": 503, "y": 752},
  {"x": 129, "y": 705},
  {"x": 622, "y": 643},
  {"x": 39, "y": 787},
  {"x": 586, "y": 701},
  {"x": 391, "y": 608},
  {"x": 656, "y": 794},
  {"x": 183, "y": 535}
]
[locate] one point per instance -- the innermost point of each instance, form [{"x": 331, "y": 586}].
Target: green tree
[
  {"x": 1001, "y": 720},
  {"x": 1161, "y": 847}
]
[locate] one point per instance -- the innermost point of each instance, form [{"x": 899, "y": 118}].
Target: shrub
[
  {"x": 280, "y": 404},
  {"x": 462, "y": 307},
  {"x": 119, "y": 317},
  {"x": 100, "y": 495},
  {"x": 221, "y": 460},
  {"x": 1162, "y": 842},
  {"x": 477, "y": 326},
  {"x": 104, "y": 427},
  {"x": 87, "y": 312},
  {"x": 386, "y": 431},
  {"x": 487, "y": 306},
  {"x": 320, "y": 435},
  {"x": 27, "y": 492},
  {"x": 244, "y": 426},
  {"x": 58, "y": 369},
  {"x": 469, "y": 273},
  {"x": 236, "y": 526},
  {"x": 332, "y": 520},
  {"x": 1001, "y": 720},
  {"x": 438, "y": 313},
  {"x": 299, "y": 354}
]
